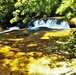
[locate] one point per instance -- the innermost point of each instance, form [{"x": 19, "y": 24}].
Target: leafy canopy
[
  {"x": 6, "y": 9},
  {"x": 28, "y": 9},
  {"x": 23, "y": 10},
  {"x": 67, "y": 8}
]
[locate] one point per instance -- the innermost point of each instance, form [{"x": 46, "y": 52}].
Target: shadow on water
[
  {"x": 25, "y": 51},
  {"x": 35, "y": 50}
]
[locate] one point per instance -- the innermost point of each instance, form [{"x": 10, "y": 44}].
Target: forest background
[{"x": 14, "y": 11}]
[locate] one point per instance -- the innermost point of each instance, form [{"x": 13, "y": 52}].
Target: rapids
[
  {"x": 37, "y": 24},
  {"x": 50, "y": 23}
]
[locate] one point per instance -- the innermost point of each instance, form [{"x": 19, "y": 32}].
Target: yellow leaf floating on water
[
  {"x": 19, "y": 54},
  {"x": 20, "y": 39},
  {"x": 50, "y": 34},
  {"x": 60, "y": 42},
  {"x": 30, "y": 45},
  {"x": 5, "y": 49},
  {"x": 7, "y": 62},
  {"x": 46, "y": 37},
  {"x": 9, "y": 54},
  {"x": 31, "y": 53}
]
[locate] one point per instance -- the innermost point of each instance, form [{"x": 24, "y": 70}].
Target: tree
[
  {"x": 29, "y": 9},
  {"x": 6, "y": 9},
  {"x": 67, "y": 8},
  {"x": 72, "y": 44},
  {"x": 24, "y": 10}
]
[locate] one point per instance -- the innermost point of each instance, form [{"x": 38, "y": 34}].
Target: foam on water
[
  {"x": 37, "y": 24},
  {"x": 50, "y": 23},
  {"x": 10, "y": 29}
]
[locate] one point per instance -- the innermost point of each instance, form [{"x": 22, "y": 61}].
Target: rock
[
  {"x": 72, "y": 22},
  {"x": 21, "y": 25},
  {"x": 0, "y": 29}
]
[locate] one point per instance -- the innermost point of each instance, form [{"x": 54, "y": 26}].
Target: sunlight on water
[
  {"x": 61, "y": 33},
  {"x": 43, "y": 65},
  {"x": 39, "y": 66}
]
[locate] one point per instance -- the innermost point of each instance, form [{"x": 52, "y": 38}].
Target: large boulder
[{"x": 72, "y": 22}]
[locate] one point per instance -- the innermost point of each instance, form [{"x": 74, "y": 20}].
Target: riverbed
[{"x": 40, "y": 52}]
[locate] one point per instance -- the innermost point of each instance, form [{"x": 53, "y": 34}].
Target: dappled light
[
  {"x": 34, "y": 54},
  {"x": 38, "y": 66},
  {"x": 33, "y": 63},
  {"x": 61, "y": 33},
  {"x": 37, "y": 37}
]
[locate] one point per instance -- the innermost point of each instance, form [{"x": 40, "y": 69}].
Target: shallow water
[{"x": 30, "y": 52}]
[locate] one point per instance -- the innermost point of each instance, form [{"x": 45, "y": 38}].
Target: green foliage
[
  {"x": 28, "y": 9},
  {"x": 72, "y": 44},
  {"x": 67, "y": 8},
  {"x": 6, "y": 8},
  {"x": 23, "y": 10}
]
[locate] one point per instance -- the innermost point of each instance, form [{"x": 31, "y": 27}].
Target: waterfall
[
  {"x": 10, "y": 29},
  {"x": 37, "y": 24},
  {"x": 50, "y": 23}
]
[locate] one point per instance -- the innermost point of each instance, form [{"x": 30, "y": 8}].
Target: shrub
[
  {"x": 72, "y": 44},
  {"x": 6, "y": 9}
]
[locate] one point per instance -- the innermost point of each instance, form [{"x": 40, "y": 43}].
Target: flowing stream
[
  {"x": 42, "y": 42},
  {"x": 50, "y": 23},
  {"x": 37, "y": 24}
]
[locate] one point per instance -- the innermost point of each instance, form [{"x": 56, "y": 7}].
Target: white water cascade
[
  {"x": 10, "y": 29},
  {"x": 37, "y": 24},
  {"x": 50, "y": 23}
]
